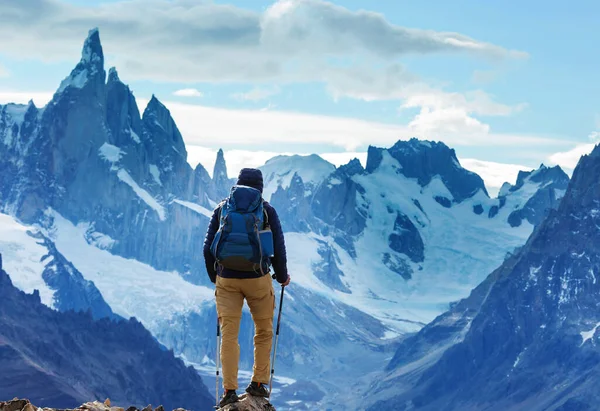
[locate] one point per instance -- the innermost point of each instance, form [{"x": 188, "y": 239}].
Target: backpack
[{"x": 237, "y": 244}]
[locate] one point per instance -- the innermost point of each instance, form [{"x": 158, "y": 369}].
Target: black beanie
[{"x": 251, "y": 177}]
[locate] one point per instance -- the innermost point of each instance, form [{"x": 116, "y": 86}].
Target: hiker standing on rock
[{"x": 244, "y": 240}]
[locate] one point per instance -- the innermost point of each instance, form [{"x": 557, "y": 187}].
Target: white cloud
[
  {"x": 192, "y": 41},
  {"x": 188, "y": 92},
  {"x": 40, "y": 98},
  {"x": 256, "y": 94},
  {"x": 199, "y": 124},
  {"x": 494, "y": 174},
  {"x": 569, "y": 159}
]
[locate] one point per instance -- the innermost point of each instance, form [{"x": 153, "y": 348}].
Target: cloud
[
  {"x": 569, "y": 159},
  {"x": 188, "y": 92},
  {"x": 4, "y": 71},
  {"x": 192, "y": 41},
  {"x": 199, "y": 124},
  {"x": 494, "y": 174},
  {"x": 40, "y": 98},
  {"x": 256, "y": 94}
]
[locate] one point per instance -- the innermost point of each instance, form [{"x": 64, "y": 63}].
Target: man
[{"x": 254, "y": 285}]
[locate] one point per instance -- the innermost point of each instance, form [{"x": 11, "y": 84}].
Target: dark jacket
[{"x": 279, "y": 261}]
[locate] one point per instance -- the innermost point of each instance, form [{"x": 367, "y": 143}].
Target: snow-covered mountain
[
  {"x": 60, "y": 359},
  {"x": 526, "y": 338},
  {"x": 374, "y": 252}
]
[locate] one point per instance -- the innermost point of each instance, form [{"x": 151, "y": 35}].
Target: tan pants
[{"x": 260, "y": 297}]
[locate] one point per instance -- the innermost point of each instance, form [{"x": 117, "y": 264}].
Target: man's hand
[{"x": 287, "y": 282}]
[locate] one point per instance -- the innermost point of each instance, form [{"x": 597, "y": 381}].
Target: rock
[
  {"x": 148, "y": 408},
  {"x": 14, "y": 405},
  {"x": 107, "y": 402},
  {"x": 249, "y": 403},
  {"x": 132, "y": 408},
  {"x": 160, "y": 408},
  {"x": 29, "y": 407}
]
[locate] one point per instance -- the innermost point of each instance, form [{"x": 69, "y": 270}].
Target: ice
[
  {"x": 588, "y": 335},
  {"x": 22, "y": 258},
  {"x": 131, "y": 288},
  {"x": 134, "y": 136},
  {"x": 76, "y": 80},
  {"x": 143, "y": 194},
  {"x": 195, "y": 207},
  {"x": 110, "y": 153},
  {"x": 155, "y": 172}
]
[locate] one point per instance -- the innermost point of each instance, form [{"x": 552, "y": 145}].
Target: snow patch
[
  {"x": 142, "y": 194},
  {"x": 195, "y": 207},
  {"x": 75, "y": 80},
  {"x": 155, "y": 172},
  {"x": 134, "y": 136},
  {"x": 111, "y": 153},
  {"x": 588, "y": 335}
]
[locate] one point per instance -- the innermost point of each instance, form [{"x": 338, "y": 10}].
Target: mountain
[
  {"x": 280, "y": 171},
  {"x": 529, "y": 339},
  {"x": 375, "y": 252},
  {"x": 123, "y": 159},
  {"x": 60, "y": 359}
]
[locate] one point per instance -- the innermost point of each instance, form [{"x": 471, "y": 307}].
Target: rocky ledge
[
  {"x": 245, "y": 403},
  {"x": 248, "y": 403},
  {"x": 24, "y": 405}
]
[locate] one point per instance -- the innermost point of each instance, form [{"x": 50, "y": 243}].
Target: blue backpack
[{"x": 244, "y": 241}]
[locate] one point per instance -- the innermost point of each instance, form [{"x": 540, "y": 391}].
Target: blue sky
[{"x": 503, "y": 82}]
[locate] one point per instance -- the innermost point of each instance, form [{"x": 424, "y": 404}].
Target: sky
[{"x": 509, "y": 85}]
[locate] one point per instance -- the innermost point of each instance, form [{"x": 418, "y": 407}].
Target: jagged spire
[
  {"x": 92, "y": 49},
  {"x": 220, "y": 170},
  {"x": 113, "y": 76},
  {"x": 90, "y": 69}
]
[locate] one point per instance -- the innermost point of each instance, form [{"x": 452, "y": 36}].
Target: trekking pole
[
  {"x": 218, "y": 359},
  {"x": 276, "y": 340}
]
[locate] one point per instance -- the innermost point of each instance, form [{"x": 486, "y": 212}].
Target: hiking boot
[
  {"x": 258, "y": 389},
  {"x": 229, "y": 397}
]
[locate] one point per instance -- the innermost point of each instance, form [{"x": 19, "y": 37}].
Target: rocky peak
[
  {"x": 89, "y": 72},
  {"x": 424, "y": 160},
  {"x": 220, "y": 179},
  {"x": 113, "y": 76},
  {"x": 543, "y": 174},
  {"x": 122, "y": 113},
  {"x": 157, "y": 119}
]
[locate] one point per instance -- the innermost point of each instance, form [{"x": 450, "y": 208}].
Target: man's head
[{"x": 251, "y": 177}]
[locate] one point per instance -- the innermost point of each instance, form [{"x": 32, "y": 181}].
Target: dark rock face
[
  {"x": 293, "y": 206},
  {"x": 424, "y": 160},
  {"x": 43, "y": 352},
  {"x": 406, "y": 239},
  {"x": 529, "y": 328},
  {"x": 327, "y": 270},
  {"x": 336, "y": 204}
]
